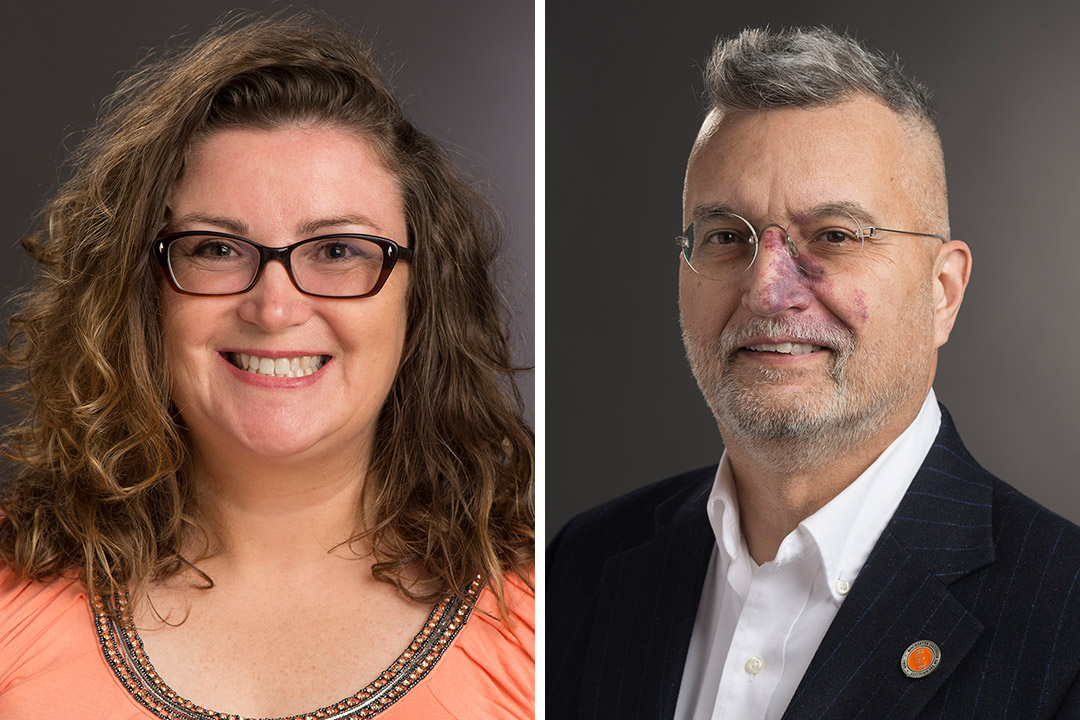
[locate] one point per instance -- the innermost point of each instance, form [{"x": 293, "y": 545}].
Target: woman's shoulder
[
  {"x": 519, "y": 594},
  {"x": 25, "y": 603},
  {"x": 41, "y": 621},
  {"x": 489, "y": 669}
]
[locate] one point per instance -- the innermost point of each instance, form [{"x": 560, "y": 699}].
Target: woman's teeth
[{"x": 278, "y": 367}]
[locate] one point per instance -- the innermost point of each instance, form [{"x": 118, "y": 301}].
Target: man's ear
[{"x": 952, "y": 270}]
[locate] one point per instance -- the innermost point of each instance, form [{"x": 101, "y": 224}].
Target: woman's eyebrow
[
  {"x": 239, "y": 227},
  {"x": 313, "y": 227},
  {"x": 232, "y": 225}
]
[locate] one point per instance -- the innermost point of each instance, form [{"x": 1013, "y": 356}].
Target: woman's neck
[{"x": 279, "y": 515}]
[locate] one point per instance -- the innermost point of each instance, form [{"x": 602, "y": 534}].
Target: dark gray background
[
  {"x": 465, "y": 71},
  {"x": 623, "y": 106}
]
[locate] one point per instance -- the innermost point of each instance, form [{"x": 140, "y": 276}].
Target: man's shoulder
[
  {"x": 952, "y": 489},
  {"x": 636, "y": 517},
  {"x": 1018, "y": 576},
  {"x": 1019, "y": 521},
  {"x": 613, "y": 560}
]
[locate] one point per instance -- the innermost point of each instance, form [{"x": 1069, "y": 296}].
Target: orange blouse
[{"x": 53, "y": 663}]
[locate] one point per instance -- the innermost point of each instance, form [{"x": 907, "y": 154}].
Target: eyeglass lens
[
  {"x": 721, "y": 243},
  {"x": 334, "y": 266}
]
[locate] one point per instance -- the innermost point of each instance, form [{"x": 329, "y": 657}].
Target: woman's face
[{"x": 277, "y": 187}]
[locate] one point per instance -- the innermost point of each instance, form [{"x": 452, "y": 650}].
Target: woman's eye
[
  {"x": 335, "y": 251},
  {"x": 349, "y": 251},
  {"x": 214, "y": 250}
]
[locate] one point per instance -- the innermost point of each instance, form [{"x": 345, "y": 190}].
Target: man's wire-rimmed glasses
[
  {"x": 718, "y": 243},
  {"x": 341, "y": 265}
]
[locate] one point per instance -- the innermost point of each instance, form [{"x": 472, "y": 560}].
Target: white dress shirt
[{"x": 758, "y": 627}]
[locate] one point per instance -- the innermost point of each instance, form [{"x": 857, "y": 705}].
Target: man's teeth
[
  {"x": 787, "y": 348},
  {"x": 279, "y": 367}
]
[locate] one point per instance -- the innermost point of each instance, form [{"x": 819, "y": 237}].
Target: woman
[{"x": 273, "y": 462}]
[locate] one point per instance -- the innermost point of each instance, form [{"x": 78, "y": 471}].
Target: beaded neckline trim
[{"x": 124, "y": 652}]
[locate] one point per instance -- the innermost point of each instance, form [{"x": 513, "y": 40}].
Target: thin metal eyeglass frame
[
  {"x": 392, "y": 253},
  {"x": 684, "y": 242}
]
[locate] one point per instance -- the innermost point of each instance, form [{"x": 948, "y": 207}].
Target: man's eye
[
  {"x": 724, "y": 237},
  {"x": 837, "y": 236}
]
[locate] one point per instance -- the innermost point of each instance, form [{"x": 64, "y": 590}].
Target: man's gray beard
[{"x": 806, "y": 430}]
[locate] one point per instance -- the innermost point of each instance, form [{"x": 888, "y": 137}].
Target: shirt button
[
  {"x": 842, "y": 587},
  {"x": 755, "y": 665}
]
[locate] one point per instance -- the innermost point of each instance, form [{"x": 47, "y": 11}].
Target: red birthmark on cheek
[
  {"x": 812, "y": 269},
  {"x": 847, "y": 302},
  {"x": 858, "y": 305}
]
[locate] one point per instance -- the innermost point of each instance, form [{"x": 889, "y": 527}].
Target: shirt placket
[{"x": 777, "y": 597}]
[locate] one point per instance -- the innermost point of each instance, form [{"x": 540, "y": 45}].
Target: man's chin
[
  {"x": 783, "y": 409},
  {"x": 774, "y": 421}
]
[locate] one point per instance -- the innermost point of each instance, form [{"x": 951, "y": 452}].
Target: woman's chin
[{"x": 273, "y": 443}]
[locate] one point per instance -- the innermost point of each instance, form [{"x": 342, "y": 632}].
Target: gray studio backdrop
[
  {"x": 623, "y": 106},
  {"x": 465, "y": 71}
]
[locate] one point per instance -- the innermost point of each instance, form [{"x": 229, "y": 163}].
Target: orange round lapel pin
[{"x": 920, "y": 659}]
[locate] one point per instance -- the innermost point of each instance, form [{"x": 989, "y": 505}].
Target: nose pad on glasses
[{"x": 787, "y": 241}]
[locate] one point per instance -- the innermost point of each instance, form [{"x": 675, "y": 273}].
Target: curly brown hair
[{"x": 99, "y": 457}]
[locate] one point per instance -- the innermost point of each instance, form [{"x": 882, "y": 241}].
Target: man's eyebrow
[
  {"x": 707, "y": 209},
  {"x": 827, "y": 210},
  {"x": 821, "y": 211}
]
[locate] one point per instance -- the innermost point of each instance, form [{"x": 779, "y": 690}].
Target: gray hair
[
  {"x": 808, "y": 67},
  {"x": 760, "y": 69}
]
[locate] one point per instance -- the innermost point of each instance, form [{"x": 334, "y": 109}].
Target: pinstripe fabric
[{"x": 966, "y": 561}]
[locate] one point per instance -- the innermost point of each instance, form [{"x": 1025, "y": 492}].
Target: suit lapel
[
  {"x": 646, "y": 613},
  {"x": 940, "y": 532}
]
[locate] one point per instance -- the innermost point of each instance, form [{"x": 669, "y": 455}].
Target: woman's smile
[{"x": 277, "y": 365}]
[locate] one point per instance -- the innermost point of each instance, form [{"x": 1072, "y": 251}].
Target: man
[{"x": 848, "y": 557}]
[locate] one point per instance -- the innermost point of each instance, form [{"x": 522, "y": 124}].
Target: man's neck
[{"x": 775, "y": 492}]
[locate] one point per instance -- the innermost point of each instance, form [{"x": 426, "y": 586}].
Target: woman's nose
[{"x": 275, "y": 303}]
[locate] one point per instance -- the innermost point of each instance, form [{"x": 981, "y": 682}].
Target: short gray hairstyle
[{"x": 759, "y": 69}]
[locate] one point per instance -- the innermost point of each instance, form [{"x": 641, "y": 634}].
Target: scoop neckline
[{"x": 125, "y": 655}]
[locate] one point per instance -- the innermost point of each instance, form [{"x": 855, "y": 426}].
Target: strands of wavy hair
[{"x": 99, "y": 457}]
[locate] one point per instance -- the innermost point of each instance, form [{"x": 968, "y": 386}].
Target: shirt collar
[{"x": 845, "y": 529}]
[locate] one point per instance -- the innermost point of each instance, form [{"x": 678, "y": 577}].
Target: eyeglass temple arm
[{"x": 872, "y": 231}]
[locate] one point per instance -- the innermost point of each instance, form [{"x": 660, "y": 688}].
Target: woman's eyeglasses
[{"x": 343, "y": 265}]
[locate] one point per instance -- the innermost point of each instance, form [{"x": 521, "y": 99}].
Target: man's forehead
[
  {"x": 858, "y": 117},
  {"x": 795, "y": 159}
]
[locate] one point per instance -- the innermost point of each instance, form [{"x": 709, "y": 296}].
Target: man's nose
[
  {"x": 776, "y": 282},
  {"x": 275, "y": 303}
]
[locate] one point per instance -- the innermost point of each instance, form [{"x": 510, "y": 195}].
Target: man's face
[{"x": 782, "y": 350}]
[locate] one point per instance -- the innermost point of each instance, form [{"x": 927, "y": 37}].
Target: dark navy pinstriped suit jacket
[{"x": 967, "y": 561}]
